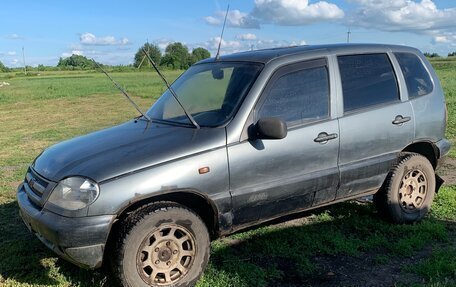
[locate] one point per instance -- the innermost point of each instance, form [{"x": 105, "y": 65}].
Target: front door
[{"x": 269, "y": 178}]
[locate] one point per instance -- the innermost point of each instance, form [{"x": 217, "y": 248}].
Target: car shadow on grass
[
  {"x": 344, "y": 245},
  {"x": 24, "y": 259}
]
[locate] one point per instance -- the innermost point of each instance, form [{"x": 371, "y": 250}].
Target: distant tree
[
  {"x": 154, "y": 53},
  {"x": 3, "y": 68},
  {"x": 176, "y": 56},
  {"x": 433, "y": 55},
  {"x": 453, "y": 54},
  {"x": 199, "y": 54},
  {"x": 75, "y": 62}
]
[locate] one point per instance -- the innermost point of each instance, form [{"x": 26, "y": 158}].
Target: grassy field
[{"x": 344, "y": 245}]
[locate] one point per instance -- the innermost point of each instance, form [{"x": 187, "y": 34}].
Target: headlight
[{"x": 74, "y": 193}]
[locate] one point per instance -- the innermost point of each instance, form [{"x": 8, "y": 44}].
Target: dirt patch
[
  {"x": 447, "y": 171},
  {"x": 365, "y": 271}
]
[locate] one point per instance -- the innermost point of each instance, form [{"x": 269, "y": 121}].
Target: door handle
[
  {"x": 324, "y": 137},
  {"x": 399, "y": 120}
]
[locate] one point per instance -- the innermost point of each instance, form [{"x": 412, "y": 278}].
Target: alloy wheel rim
[
  {"x": 165, "y": 255},
  {"x": 413, "y": 190}
]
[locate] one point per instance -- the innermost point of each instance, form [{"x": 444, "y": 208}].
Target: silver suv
[{"x": 254, "y": 136}]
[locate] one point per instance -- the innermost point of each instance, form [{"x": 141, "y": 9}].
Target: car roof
[{"x": 267, "y": 55}]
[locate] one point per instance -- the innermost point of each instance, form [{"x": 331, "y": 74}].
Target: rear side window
[
  {"x": 298, "y": 97},
  {"x": 416, "y": 77},
  {"x": 367, "y": 80}
]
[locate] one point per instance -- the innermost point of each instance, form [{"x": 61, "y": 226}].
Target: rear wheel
[
  {"x": 163, "y": 244},
  {"x": 408, "y": 191}
]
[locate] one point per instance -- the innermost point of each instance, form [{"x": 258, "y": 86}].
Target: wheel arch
[
  {"x": 194, "y": 200},
  {"x": 426, "y": 149}
]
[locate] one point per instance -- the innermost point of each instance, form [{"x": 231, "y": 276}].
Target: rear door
[
  {"x": 269, "y": 178},
  {"x": 377, "y": 122}
]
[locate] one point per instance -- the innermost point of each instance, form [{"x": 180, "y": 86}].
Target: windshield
[{"x": 210, "y": 92}]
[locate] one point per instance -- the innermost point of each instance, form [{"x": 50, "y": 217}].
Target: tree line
[
  {"x": 176, "y": 56},
  {"x": 435, "y": 55}
]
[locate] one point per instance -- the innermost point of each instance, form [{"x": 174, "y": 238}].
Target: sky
[{"x": 112, "y": 31}]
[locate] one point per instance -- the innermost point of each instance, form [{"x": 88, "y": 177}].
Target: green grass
[
  {"x": 74, "y": 85},
  {"x": 38, "y": 111},
  {"x": 446, "y": 70},
  {"x": 441, "y": 265}
]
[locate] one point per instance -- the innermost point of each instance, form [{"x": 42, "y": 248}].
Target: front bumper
[{"x": 80, "y": 240}]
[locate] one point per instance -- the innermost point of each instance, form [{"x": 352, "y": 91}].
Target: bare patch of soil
[
  {"x": 360, "y": 271},
  {"x": 365, "y": 271},
  {"x": 448, "y": 171}
]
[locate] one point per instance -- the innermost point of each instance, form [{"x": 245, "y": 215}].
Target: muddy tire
[
  {"x": 408, "y": 190},
  {"x": 162, "y": 244}
]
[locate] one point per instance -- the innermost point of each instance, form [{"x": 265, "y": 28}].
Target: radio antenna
[{"x": 221, "y": 35}]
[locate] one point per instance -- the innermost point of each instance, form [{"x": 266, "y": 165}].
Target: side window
[
  {"x": 298, "y": 97},
  {"x": 367, "y": 80},
  {"x": 416, "y": 77}
]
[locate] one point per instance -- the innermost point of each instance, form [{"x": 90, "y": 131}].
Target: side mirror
[{"x": 271, "y": 128}]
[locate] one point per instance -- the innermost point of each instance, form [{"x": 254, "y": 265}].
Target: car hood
[{"x": 125, "y": 148}]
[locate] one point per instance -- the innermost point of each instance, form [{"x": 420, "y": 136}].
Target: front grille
[{"x": 36, "y": 186}]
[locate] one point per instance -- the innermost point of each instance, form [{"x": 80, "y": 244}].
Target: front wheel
[
  {"x": 408, "y": 191},
  {"x": 163, "y": 244}
]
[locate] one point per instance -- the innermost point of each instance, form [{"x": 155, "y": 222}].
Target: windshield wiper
[
  {"x": 142, "y": 116},
  {"x": 189, "y": 116},
  {"x": 122, "y": 90},
  {"x": 168, "y": 122}
]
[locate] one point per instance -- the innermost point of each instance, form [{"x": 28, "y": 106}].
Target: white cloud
[
  {"x": 91, "y": 39},
  {"x": 442, "y": 39},
  {"x": 380, "y": 4},
  {"x": 297, "y": 43},
  {"x": 419, "y": 17},
  {"x": 162, "y": 43},
  {"x": 73, "y": 52},
  {"x": 211, "y": 20},
  {"x": 234, "y": 46},
  {"x": 403, "y": 15},
  {"x": 14, "y": 37},
  {"x": 235, "y": 18},
  {"x": 266, "y": 44},
  {"x": 246, "y": 37},
  {"x": 280, "y": 12},
  {"x": 445, "y": 38},
  {"x": 295, "y": 12},
  {"x": 124, "y": 41},
  {"x": 9, "y": 53},
  {"x": 226, "y": 45}
]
